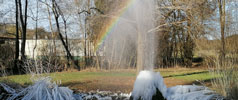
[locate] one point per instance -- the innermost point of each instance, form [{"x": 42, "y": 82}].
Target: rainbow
[{"x": 109, "y": 26}]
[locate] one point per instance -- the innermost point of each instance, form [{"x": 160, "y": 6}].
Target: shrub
[{"x": 226, "y": 81}]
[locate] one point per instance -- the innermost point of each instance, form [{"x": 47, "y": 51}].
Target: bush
[{"x": 6, "y": 59}]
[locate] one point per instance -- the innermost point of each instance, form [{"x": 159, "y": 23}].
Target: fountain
[
  {"x": 130, "y": 39},
  {"x": 133, "y": 32}
]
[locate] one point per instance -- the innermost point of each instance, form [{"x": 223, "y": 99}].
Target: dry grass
[{"x": 226, "y": 83}]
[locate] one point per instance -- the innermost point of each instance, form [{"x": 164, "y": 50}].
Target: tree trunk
[
  {"x": 24, "y": 28},
  {"x": 36, "y": 29},
  {"x": 15, "y": 69},
  {"x": 66, "y": 40},
  {"x": 85, "y": 44},
  {"x": 222, "y": 14}
]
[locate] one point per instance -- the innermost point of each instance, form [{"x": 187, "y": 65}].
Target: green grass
[
  {"x": 194, "y": 77},
  {"x": 189, "y": 75},
  {"x": 177, "y": 72},
  {"x": 20, "y": 79},
  {"x": 65, "y": 77},
  {"x": 82, "y": 76}
]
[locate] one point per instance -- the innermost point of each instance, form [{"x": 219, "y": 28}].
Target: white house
[{"x": 44, "y": 46}]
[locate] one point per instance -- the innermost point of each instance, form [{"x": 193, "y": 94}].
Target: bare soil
[{"x": 115, "y": 84}]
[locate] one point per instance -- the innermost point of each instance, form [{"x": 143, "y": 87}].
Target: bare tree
[
  {"x": 222, "y": 13},
  {"x": 181, "y": 23},
  {"x": 88, "y": 13},
  {"x": 57, "y": 14}
]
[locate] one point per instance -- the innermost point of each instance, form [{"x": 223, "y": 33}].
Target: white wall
[{"x": 76, "y": 47}]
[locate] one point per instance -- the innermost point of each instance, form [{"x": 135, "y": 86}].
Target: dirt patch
[
  {"x": 173, "y": 82},
  {"x": 115, "y": 84}
]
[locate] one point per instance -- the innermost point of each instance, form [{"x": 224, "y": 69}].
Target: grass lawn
[
  {"x": 68, "y": 76},
  {"x": 111, "y": 80}
]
